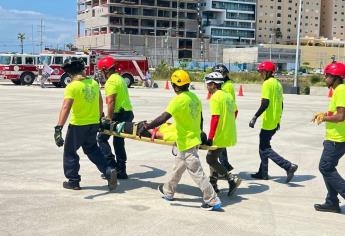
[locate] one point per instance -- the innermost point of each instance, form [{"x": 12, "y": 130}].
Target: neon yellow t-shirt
[
  {"x": 168, "y": 131},
  {"x": 336, "y": 131},
  {"x": 185, "y": 108},
  {"x": 222, "y": 104},
  {"x": 273, "y": 91},
  {"x": 116, "y": 85},
  {"x": 228, "y": 87},
  {"x": 85, "y": 107}
]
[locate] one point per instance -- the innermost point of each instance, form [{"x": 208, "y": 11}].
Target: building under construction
[{"x": 161, "y": 29}]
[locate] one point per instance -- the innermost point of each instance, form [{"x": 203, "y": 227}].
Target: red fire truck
[
  {"x": 19, "y": 68},
  {"x": 132, "y": 66}
]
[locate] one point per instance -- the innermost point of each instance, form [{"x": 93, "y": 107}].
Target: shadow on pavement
[{"x": 134, "y": 182}]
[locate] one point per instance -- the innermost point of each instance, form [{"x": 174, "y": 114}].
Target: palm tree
[{"x": 21, "y": 38}]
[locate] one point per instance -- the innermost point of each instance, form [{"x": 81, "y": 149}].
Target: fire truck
[
  {"x": 132, "y": 66},
  {"x": 19, "y": 68}
]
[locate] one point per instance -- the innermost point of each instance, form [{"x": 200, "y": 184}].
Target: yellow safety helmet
[{"x": 180, "y": 78}]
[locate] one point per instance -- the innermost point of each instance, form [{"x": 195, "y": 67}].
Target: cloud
[{"x": 56, "y": 31}]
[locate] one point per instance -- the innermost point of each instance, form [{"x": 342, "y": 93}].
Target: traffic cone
[
  {"x": 209, "y": 96},
  {"x": 167, "y": 85},
  {"x": 330, "y": 92},
  {"x": 240, "y": 91}
]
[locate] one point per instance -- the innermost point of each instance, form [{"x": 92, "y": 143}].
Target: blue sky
[{"x": 24, "y": 16}]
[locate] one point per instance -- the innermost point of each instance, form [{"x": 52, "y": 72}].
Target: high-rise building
[
  {"x": 165, "y": 26},
  {"x": 277, "y": 20},
  {"x": 333, "y": 19},
  {"x": 229, "y": 21}
]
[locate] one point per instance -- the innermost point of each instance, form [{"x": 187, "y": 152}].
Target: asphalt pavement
[{"x": 33, "y": 202}]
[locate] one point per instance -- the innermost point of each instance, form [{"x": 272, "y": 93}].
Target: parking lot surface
[{"x": 33, "y": 202}]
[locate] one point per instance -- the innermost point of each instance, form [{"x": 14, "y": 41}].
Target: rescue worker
[
  {"x": 83, "y": 100},
  {"x": 186, "y": 109},
  {"x": 334, "y": 144},
  {"x": 271, "y": 109},
  {"x": 119, "y": 108},
  {"x": 222, "y": 130},
  {"x": 227, "y": 87}
]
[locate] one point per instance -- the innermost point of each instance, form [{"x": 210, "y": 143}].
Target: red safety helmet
[
  {"x": 106, "y": 63},
  {"x": 267, "y": 66},
  {"x": 336, "y": 69}
]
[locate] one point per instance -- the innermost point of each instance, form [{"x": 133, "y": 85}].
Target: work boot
[
  {"x": 234, "y": 182},
  {"x": 73, "y": 185},
  {"x": 259, "y": 175},
  {"x": 111, "y": 175},
  {"x": 327, "y": 208},
  {"x": 122, "y": 175},
  {"x": 290, "y": 172}
]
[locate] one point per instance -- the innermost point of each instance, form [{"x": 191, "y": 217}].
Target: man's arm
[
  {"x": 100, "y": 104},
  {"x": 164, "y": 117},
  {"x": 64, "y": 112},
  {"x": 264, "y": 105},
  {"x": 110, "y": 100},
  {"x": 339, "y": 117}
]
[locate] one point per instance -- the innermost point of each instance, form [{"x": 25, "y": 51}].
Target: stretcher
[{"x": 113, "y": 129}]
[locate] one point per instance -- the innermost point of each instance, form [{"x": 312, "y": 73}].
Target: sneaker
[
  {"x": 233, "y": 185},
  {"x": 259, "y": 176},
  {"x": 122, "y": 175},
  {"x": 327, "y": 208},
  {"x": 164, "y": 196},
  {"x": 214, "y": 205},
  {"x": 112, "y": 178},
  {"x": 290, "y": 172},
  {"x": 74, "y": 185}
]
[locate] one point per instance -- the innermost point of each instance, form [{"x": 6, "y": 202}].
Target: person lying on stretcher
[{"x": 166, "y": 131}]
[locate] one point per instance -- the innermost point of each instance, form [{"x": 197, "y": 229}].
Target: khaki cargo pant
[{"x": 189, "y": 160}]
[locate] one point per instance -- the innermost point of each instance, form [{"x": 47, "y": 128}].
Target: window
[
  {"x": 58, "y": 61},
  {"x": 17, "y": 60},
  {"x": 29, "y": 60}
]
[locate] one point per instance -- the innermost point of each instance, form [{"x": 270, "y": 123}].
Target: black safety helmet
[
  {"x": 221, "y": 69},
  {"x": 73, "y": 66}
]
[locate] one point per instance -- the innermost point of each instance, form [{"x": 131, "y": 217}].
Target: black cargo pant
[
  {"x": 216, "y": 167},
  {"x": 266, "y": 152},
  {"x": 223, "y": 159},
  {"x": 335, "y": 184},
  {"x": 119, "y": 144},
  {"x": 85, "y": 137}
]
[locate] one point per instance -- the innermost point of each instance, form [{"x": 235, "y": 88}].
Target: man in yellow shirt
[
  {"x": 222, "y": 130},
  {"x": 227, "y": 87},
  {"x": 186, "y": 110},
  {"x": 334, "y": 144},
  {"x": 119, "y": 108},
  {"x": 82, "y": 98},
  {"x": 271, "y": 110}
]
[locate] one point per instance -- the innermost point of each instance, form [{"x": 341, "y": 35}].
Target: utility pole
[
  {"x": 40, "y": 31},
  {"x": 295, "y": 82},
  {"x": 32, "y": 39},
  {"x": 177, "y": 27}
]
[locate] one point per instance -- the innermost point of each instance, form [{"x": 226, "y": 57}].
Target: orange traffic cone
[
  {"x": 330, "y": 92},
  {"x": 167, "y": 85},
  {"x": 240, "y": 91},
  {"x": 209, "y": 96}
]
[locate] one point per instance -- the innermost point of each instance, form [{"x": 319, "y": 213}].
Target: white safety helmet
[{"x": 215, "y": 77}]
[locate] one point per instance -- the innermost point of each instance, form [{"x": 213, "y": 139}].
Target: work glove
[
  {"x": 318, "y": 118},
  {"x": 142, "y": 128},
  {"x": 58, "y": 136},
  {"x": 105, "y": 124},
  {"x": 252, "y": 122},
  {"x": 209, "y": 142}
]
